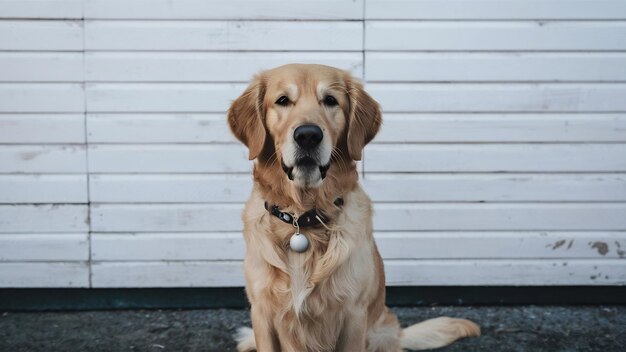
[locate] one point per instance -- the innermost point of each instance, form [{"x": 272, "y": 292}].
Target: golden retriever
[{"x": 305, "y": 126}]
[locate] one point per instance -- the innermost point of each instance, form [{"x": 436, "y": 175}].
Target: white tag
[{"x": 298, "y": 242}]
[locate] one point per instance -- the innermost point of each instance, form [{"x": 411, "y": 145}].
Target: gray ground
[{"x": 504, "y": 329}]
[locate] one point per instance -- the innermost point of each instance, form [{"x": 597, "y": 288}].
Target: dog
[{"x": 314, "y": 277}]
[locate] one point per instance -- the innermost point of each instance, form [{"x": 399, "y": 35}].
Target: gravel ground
[{"x": 526, "y": 328}]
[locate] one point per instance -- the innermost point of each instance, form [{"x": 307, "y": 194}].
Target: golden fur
[{"x": 330, "y": 297}]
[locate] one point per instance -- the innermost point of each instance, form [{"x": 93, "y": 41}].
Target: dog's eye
[
  {"x": 329, "y": 100},
  {"x": 283, "y": 101}
]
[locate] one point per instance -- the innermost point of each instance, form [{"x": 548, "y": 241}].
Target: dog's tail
[
  {"x": 437, "y": 332},
  {"x": 245, "y": 340}
]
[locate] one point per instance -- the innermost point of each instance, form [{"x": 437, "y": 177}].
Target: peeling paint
[
  {"x": 29, "y": 155},
  {"x": 558, "y": 244},
  {"x": 602, "y": 247}
]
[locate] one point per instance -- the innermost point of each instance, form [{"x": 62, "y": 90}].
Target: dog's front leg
[
  {"x": 264, "y": 332},
  {"x": 353, "y": 334}
]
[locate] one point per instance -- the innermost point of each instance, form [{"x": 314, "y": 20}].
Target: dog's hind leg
[{"x": 384, "y": 335}]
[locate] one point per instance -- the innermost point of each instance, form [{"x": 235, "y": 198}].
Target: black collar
[{"x": 308, "y": 219}]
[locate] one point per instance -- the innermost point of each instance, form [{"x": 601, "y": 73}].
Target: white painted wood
[
  {"x": 398, "y": 273},
  {"x": 216, "y": 97},
  {"x": 41, "y": 35},
  {"x": 495, "y": 35},
  {"x": 495, "y": 67},
  {"x": 43, "y": 188},
  {"x": 204, "y": 66},
  {"x": 495, "y": 187},
  {"x": 501, "y": 245},
  {"x": 43, "y": 218},
  {"x": 500, "y": 10},
  {"x": 195, "y": 188},
  {"x": 500, "y": 217},
  {"x": 44, "y": 247},
  {"x": 41, "y": 9},
  {"x": 505, "y": 272},
  {"x": 44, "y": 98},
  {"x": 166, "y": 217},
  {"x": 44, "y": 275},
  {"x": 223, "y": 35},
  {"x": 489, "y": 97},
  {"x": 41, "y": 67},
  {"x": 159, "y": 128},
  {"x": 161, "y": 97},
  {"x": 168, "y": 158},
  {"x": 455, "y": 128},
  {"x": 388, "y": 217},
  {"x": 42, "y": 128},
  {"x": 496, "y": 158},
  {"x": 182, "y": 188},
  {"x": 42, "y": 159},
  {"x": 167, "y": 246},
  {"x": 392, "y": 245},
  {"x": 167, "y": 274},
  {"x": 216, "y": 9}
]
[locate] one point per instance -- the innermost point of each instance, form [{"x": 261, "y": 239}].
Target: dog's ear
[
  {"x": 246, "y": 115},
  {"x": 364, "y": 118}
]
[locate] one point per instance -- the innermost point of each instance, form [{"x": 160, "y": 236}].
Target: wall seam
[{"x": 84, "y": 84}]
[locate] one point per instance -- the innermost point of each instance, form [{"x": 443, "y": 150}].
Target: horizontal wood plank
[
  {"x": 524, "y": 127},
  {"x": 41, "y": 9},
  {"x": 494, "y": 187},
  {"x": 43, "y": 189},
  {"x": 42, "y": 159},
  {"x": 495, "y": 67},
  {"x": 167, "y": 246},
  {"x": 165, "y": 217},
  {"x": 495, "y": 35},
  {"x": 185, "y": 188},
  {"x": 161, "y": 97},
  {"x": 495, "y": 10},
  {"x": 42, "y": 128},
  {"x": 48, "y": 98},
  {"x": 168, "y": 158},
  {"x": 41, "y": 67},
  {"x": 182, "y": 188},
  {"x": 388, "y": 217},
  {"x": 223, "y": 35},
  {"x": 168, "y": 274},
  {"x": 398, "y": 97},
  {"x": 204, "y": 66},
  {"x": 491, "y": 97},
  {"x": 392, "y": 245},
  {"x": 505, "y": 272},
  {"x": 500, "y": 217},
  {"x": 44, "y": 247},
  {"x": 496, "y": 158},
  {"x": 44, "y": 275},
  {"x": 215, "y": 9},
  {"x": 44, "y": 218},
  {"x": 158, "y": 128},
  {"x": 398, "y": 273},
  {"x": 41, "y": 35}
]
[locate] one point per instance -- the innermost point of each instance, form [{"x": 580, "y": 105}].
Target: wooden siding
[{"x": 502, "y": 159}]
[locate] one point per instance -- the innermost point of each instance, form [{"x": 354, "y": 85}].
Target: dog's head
[{"x": 302, "y": 117}]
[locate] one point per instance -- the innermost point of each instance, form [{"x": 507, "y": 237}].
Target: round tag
[{"x": 299, "y": 242}]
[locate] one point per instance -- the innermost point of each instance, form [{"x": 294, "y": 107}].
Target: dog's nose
[{"x": 308, "y": 136}]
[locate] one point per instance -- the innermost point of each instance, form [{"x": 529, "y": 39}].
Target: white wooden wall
[{"x": 502, "y": 160}]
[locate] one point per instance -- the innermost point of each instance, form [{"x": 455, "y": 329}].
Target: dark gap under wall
[{"x": 204, "y": 298}]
